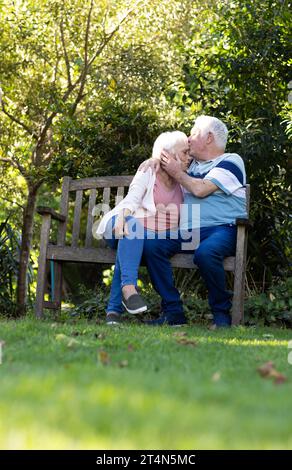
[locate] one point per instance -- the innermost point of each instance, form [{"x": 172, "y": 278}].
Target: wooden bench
[{"x": 87, "y": 192}]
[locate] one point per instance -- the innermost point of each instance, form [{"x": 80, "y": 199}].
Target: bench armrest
[
  {"x": 244, "y": 222},
  {"x": 47, "y": 210}
]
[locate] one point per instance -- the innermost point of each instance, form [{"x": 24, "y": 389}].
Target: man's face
[{"x": 197, "y": 142}]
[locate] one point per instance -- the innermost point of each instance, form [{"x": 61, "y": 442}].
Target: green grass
[{"x": 59, "y": 395}]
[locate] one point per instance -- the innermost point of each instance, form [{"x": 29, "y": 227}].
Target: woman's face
[{"x": 182, "y": 150}]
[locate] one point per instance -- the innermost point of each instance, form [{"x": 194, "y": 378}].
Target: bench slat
[
  {"x": 106, "y": 255},
  {"x": 100, "y": 182},
  {"x": 77, "y": 217},
  {"x": 64, "y": 206},
  {"x": 91, "y": 204},
  {"x": 120, "y": 194},
  {"x": 106, "y": 196}
]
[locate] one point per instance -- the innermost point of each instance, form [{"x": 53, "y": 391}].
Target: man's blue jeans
[{"x": 215, "y": 244}]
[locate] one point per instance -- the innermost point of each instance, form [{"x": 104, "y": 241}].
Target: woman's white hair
[
  {"x": 168, "y": 141},
  {"x": 214, "y": 125}
]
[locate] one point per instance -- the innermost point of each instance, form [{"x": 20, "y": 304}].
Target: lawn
[{"x": 84, "y": 385}]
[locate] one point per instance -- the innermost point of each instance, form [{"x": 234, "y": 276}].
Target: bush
[
  {"x": 273, "y": 307},
  {"x": 9, "y": 246}
]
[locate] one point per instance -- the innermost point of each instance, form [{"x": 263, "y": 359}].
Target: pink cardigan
[{"x": 139, "y": 201}]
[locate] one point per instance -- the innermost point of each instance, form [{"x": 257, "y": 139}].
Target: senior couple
[{"x": 189, "y": 191}]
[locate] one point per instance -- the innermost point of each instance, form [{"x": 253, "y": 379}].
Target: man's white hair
[
  {"x": 212, "y": 124},
  {"x": 168, "y": 141}
]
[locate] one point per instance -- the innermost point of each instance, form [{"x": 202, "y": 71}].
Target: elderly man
[{"x": 214, "y": 184}]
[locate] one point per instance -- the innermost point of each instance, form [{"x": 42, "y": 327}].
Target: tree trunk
[{"x": 26, "y": 239}]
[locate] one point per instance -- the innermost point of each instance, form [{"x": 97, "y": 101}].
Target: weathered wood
[
  {"x": 106, "y": 196},
  {"x": 247, "y": 195},
  {"x": 47, "y": 210},
  {"x": 41, "y": 277},
  {"x": 77, "y": 218},
  {"x": 64, "y": 207},
  {"x": 239, "y": 277},
  {"x": 51, "y": 305},
  {"x": 240, "y": 267},
  {"x": 100, "y": 182},
  {"x": 245, "y": 222},
  {"x": 91, "y": 204},
  {"x": 120, "y": 194},
  {"x": 108, "y": 256}
]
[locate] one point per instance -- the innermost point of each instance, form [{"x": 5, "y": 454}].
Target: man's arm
[{"x": 198, "y": 187}]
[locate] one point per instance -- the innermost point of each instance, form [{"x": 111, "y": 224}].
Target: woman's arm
[{"x": 137, "y": 190}]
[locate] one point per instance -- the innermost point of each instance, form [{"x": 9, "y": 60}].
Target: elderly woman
[{"x": 150, "y": 210}]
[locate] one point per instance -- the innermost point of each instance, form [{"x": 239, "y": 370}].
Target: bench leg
[
  {"x": 238, "y": 302},
  {"x": 239, "y": 277},
  {"x": 57, "y": 292},
  {"x": 41, "y": 277}
]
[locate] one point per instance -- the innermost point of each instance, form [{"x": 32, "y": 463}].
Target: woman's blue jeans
[{"x": 128, "y": 259}]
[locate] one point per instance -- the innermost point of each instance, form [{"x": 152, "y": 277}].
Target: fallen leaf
[
  {"x": 265, "y": 369},
  {"x": 123, "y": 363},
  {"x": 268, "y": 370},
  {"x": 99, "y": 335},
  {"x": 187, "y": 342},
  {"x": 103, "y": 357},
  {"x": 180, "y": 333},
  {"x": 216, "y": 376},
  {"x": 280, "y": 379}
]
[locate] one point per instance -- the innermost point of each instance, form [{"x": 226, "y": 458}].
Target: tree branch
[
  {"x": 17, "y": 121},
  {"x": 14, "y": 163},
  {"x": 65, "y": 54},
  {"x": 109, "y": 36},
  {"x": 11, "y": 202},
  {"x": 87, "y": 64},
  {"x": 85, "y": 69},
  {"x": 82, "y": 77}
]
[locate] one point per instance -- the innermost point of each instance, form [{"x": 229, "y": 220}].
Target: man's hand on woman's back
[{"x": 152, "y": 163}]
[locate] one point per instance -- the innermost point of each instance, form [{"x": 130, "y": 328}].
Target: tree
[{"x": 54, "y": 64}]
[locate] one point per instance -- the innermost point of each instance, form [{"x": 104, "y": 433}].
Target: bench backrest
[
  {"x": 75, "y": 197},
  {"x": 81, "y": 195}
]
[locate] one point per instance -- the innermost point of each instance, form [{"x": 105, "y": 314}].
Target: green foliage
[
  {"x": 237, "y": 68},
  {"x": 111, "y": 141},
  {"x": 9, "y": 264},
  {"x": 9, "y": 246},
  {"x": 273, "y": 307},
  {"x": 92, "y": 303}
]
